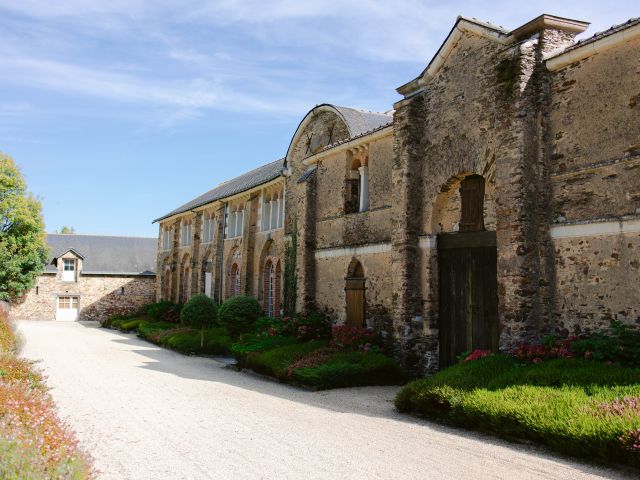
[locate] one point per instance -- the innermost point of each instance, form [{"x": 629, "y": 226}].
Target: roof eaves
[
  {"x": 600, "y": 41},
  {"x": 462, "y": 25}
]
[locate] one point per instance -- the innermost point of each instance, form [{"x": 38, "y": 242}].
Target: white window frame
[
  {"x": 235, "y": 224},
  {"x": 69, "y": 274}
]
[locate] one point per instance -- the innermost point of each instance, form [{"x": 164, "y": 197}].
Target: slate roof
[
  {"x": 105, "y": 254},
  {"x": 360, "y": 122},
  {"x": 248, "y": 180},
  {"x": 599, "y": 35}
]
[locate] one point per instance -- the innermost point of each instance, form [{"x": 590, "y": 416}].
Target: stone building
[
  {"x": 90, "y": 277},
  {"x": 498, "y": 201}
]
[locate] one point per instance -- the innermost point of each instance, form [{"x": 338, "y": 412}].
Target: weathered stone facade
[
  {"x": 97, "y": 294},
  {"x": 548, "y": 131}
]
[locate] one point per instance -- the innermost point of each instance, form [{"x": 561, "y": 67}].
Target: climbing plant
[{"x": 290, "y": 279}]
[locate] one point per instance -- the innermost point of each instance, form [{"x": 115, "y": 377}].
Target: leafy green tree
[
  {"x": 67, "y": 230},
  {"x": 199, "y": 312},
  {"x": 23, "y": 250}
]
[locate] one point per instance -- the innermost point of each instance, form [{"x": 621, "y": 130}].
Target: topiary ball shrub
[
  {"x": 239, "y": 314},
  {"x": 199, "y": 312}
]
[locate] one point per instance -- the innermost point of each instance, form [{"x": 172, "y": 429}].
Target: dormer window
[
  {"x": 185, "y": 233},
  {"x": 68, "y": 270}
]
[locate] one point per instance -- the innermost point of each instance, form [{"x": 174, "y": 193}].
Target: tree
[
  {"x": 23, "y": 250},
  {"x": 67, "y": 230},
  {"x": 199, "y": 312},
  {"x": 239, "y": 314}
]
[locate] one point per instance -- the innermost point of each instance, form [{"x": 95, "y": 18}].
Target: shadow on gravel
[{"x": 366, "y": 401}]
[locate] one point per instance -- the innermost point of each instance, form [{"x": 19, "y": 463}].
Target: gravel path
[{"x": 149, "y": 413}]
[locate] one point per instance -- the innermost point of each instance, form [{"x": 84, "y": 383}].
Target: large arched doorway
[
  {"x": 355, "y": 295},
  {"x": 468, "y": 287}
]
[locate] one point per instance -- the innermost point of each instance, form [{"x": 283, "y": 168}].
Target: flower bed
[
  {"x": 34, "y": 442},
  {"x": 290, "y": 350},
  {"x": 573, "y": 405}
]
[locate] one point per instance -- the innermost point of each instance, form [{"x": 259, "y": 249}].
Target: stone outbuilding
[
  {"x": 90, "y": 277},
  {"x": 497, "y": 202}
]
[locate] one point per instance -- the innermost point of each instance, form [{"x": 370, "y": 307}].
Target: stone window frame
[
  {"x": 186, "y": 232},
  {"x": 235, "y": 221},
  {"x": 269, "y": 199},
  {"x": 208, "y": 227},
  {"x": 167, "y": 230},
  {"x": 357, "y": 178}
]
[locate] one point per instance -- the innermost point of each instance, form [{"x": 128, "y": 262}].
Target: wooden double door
[{"x": 468, "y": 290}]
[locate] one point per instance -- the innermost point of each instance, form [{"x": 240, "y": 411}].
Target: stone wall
[
  {"x": 595, "y": 182},
  {"x": 100, "y": 296}
]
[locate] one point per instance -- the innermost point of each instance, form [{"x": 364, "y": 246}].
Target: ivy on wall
[{"x": 290, "y": 278}]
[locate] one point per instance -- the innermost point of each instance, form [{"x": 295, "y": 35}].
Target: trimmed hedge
[
  {"x": 239, "y": 314},
  {"x": 129, "y": 325},
  {"x": 575, "y": 406},
  {"x": 216, "y": 341},
  {"x": 146, "y": 329},
  {"x": 276, "y": 361},
  {"x": 350, "y": 369}
]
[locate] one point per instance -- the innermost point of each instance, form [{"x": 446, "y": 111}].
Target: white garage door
[{"x": 67, "y": 309}]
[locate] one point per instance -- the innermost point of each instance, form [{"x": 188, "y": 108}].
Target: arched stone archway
[
  {"x": 355, "y": 294},
  {"x": 467, "y": 269},
  {"x": 206, "y": 275}
]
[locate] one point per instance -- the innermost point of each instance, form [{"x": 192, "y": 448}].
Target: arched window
[
  {"x": 357, "y": 182},
  {"x": 234, "y": 281},
  {"x": 355, "y": 294},
  {"x": 186, "y": 283},
  {"x": 166, "y": 283},
  {"x": 271, "y": 288}
]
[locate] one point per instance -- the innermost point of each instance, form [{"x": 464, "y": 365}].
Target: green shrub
[
  {"x": 129, "y": 325},
  {"x": 252, "y": 343},
  {"x": 276, "y": 361},
  {"x": 350, "y": 369},
  {"x": 199, "y": 312},
  {"x": 146, "y": 329},
  {"x": 116, "y": 320},
  {"x": 239, "y": 314},
  {"x": 164, "y": 311},
  {"x": 557, "y": 402},
  {"x": 216, "y": 341}
]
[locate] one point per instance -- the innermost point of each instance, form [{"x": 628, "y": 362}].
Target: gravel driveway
[{"x": 149, "y": 413}]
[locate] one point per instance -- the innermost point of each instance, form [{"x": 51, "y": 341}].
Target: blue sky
[{"x": 119, "y": 111}]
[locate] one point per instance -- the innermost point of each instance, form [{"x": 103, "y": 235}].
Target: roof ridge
[{"x": 99, "y": 235}]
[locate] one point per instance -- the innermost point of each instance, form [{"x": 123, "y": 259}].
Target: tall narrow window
[
  {"x": 166, "y": 238},
  {"x": 271, "y": 282},
  {"x": 185, "y": 233},
  {"x": 234, "y": 281},
  {"x": 472, "y": 204}
]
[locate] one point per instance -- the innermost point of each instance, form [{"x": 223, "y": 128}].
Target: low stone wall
[{"x": 99, "y": 296}]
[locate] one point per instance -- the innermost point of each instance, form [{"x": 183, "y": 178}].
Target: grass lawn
[{"x": 579, "y": 407}]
